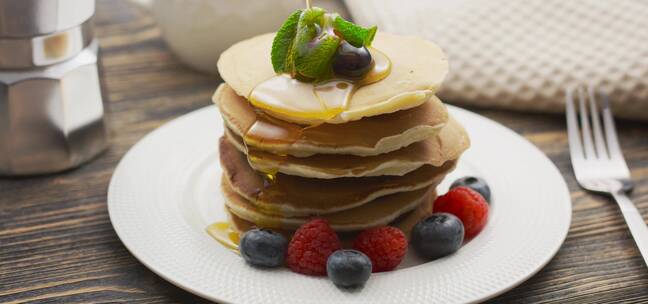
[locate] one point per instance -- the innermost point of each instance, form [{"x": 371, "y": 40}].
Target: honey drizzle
[
  {"x": 333, "y": 95},
  {"x": 290, "y": 99},
  {"x": 226, "y": 234},
  {"x": 268, "y": 129}
]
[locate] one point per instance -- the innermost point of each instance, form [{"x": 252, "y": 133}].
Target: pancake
[
  {"x": 418, "y": 68},
  {"x": 404, "y": 222},
  {"x": 291, "y": 195},
  {"x": 369, "y": 136},
  {"x": 380, "y": 211},
  {"x": 451, "y": 141}
]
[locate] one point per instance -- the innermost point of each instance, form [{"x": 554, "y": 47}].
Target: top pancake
[
  {"x": 369, "y": 136},
  {"x": 418, "y": 69}
]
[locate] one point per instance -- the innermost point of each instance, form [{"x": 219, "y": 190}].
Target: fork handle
[{"x": 635, "y": 222}]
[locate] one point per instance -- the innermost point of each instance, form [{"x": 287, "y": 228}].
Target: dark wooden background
[{"x": 57, "y": 244}]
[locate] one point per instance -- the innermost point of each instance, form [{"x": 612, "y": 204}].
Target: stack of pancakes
[{"x": 371, "y": 167}]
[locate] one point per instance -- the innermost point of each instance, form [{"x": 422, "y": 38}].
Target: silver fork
[{"x": 597, "y": 160}]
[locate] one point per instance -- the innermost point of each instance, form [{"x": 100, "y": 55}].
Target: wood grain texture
[{"x": 57, "y": 244}]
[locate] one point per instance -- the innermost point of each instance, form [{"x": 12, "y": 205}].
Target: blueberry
[
  {"x": 351, "y": 61},
  {"x": 263, "y": 247},
  {"x": 475, "y": 183},
  {"x": 348, "y": 268},
  {"x": 438, "y": 235}
]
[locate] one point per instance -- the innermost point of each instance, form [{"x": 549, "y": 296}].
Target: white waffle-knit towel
[{"x": 523, "y": 54}]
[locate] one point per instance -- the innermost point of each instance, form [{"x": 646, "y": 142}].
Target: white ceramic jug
[{"x": 197, "y": 31}]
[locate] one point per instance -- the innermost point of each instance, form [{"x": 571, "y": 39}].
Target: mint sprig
[
  {"x": 354, "y": 34},
  {"x": 305, "y": 44}
]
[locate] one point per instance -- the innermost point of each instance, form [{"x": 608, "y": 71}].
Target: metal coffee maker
[{"x": 51, "y": 108}]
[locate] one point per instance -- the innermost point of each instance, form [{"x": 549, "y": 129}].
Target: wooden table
[{"x": 57, "y": 243}]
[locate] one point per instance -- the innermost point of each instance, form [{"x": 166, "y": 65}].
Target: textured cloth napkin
[{"x": 523, "y": 54}]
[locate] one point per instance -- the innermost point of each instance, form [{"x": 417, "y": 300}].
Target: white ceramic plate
[{"x": 165, "y": 191}]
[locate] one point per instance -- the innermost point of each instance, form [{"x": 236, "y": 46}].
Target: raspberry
[
  {"x": 310, "y": 247},
  {"x": 466, "y": 204},
  {"x": 385, "y": 246}
]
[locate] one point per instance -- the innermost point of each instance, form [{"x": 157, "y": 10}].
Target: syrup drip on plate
[
  {"x": 229, "y": 236},
  {"x": 224, "y": 233}
]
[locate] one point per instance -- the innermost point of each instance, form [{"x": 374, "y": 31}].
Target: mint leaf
[
  {"x": 313, "y": 59},
  {"x": 283, "y": 44},
  {"x": 354, "y": 34},
  {"x": 311, "y": 17}
]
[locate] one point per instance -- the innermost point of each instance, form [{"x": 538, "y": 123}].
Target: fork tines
[
  {"x": 587, "y": 140},
  {"x": 588, "y": 143}
]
